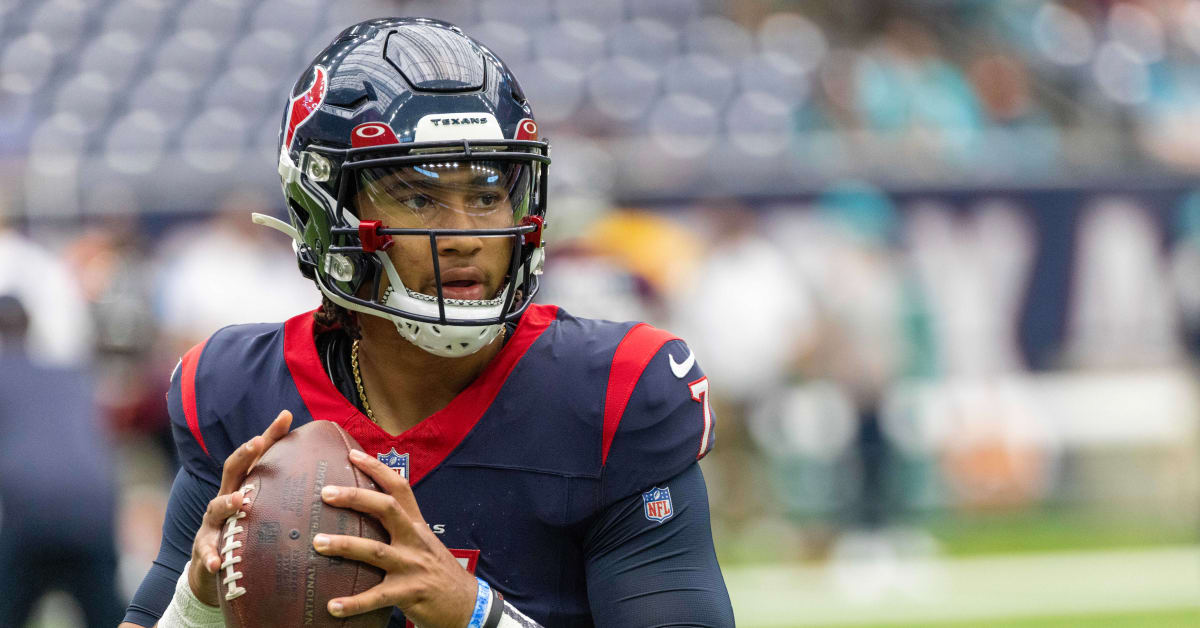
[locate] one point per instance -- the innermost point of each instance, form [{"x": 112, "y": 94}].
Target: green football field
[
  {"x": 1184, "y": 618},
  {"x": 1156, "y": 586}
]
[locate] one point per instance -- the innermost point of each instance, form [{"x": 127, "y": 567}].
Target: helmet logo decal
[
  {"x": 479, "y": 125},
  {"x": 445, "y": 121},
  {"x": 526, "y": 129},
  {"x": 372, "y": 134},
  {"x": 305, "y": 105}
]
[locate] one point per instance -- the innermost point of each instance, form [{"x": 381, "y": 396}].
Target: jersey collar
[{"x": 433, "y": 439}]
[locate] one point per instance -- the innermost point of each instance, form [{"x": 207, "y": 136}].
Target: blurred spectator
[
  {"x": 228, "y": 270},
  {"x": 56, "y": 485},
  {"x": 1023, "y": 139},
  {"x": 742, "y": 312},
  {"x": 114, "y": 276},
  {"x": 746, "y": 318},
  {"x": 872, "y": 317},
  {"x": 874, "y": 329},
  {"x": 114, "y": 272},
  {"x": 59, "y": 332}
]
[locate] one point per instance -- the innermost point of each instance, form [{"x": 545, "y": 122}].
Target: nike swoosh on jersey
[{"x": 680, "y": 369}]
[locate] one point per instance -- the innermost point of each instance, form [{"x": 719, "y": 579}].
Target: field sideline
[{"x": 1125, "y": 588}]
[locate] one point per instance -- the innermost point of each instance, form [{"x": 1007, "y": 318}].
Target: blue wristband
[{"x": 483, "y": 598}]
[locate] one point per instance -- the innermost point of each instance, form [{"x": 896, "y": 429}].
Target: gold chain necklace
[{"x": 362, "y": 393}]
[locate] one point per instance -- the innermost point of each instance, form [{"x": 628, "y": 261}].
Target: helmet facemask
[{"x": 433, "y": 191}]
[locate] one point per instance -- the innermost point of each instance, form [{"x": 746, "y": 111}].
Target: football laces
[{"x": 232, "y": 529}]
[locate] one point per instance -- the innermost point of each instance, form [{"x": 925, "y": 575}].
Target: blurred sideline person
[
  {"x": 556, "y": 456},
  {"x": 56, "y": 530},
  {"x": 61, "y": 332}
]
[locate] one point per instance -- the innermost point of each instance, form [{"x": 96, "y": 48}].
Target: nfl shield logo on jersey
[
  {"x": 658, "y": 504},
  {"x": 398, "y": 462}
]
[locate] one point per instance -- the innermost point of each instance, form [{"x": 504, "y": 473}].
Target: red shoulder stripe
[
  {"x": 630, "y": 360},
  {"x": 187, "y": 389}
]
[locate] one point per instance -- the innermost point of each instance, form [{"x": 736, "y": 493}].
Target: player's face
[{"x": 463, "y": 195}]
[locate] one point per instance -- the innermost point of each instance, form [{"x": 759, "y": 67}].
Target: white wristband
[{"x": 186, "y": 611}]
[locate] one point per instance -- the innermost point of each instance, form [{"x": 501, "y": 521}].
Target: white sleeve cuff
[
  {"x": 186, "y": 611},
  {"x": 514, "y": 618}
]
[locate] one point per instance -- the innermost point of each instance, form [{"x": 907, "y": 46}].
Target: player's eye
[
  {"x": 416, "y": 202},
  {"x": 486, "y": 201},
  {"x": 397, "y": 193}
]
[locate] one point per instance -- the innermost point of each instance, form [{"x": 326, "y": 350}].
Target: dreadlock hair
[{"x": 333, "y": 316}]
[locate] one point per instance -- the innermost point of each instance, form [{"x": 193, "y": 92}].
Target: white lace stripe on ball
[{"x": 232, "y": 528}]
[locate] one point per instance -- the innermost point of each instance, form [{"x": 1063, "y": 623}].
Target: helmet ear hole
[{"x": 300, "y": 212}]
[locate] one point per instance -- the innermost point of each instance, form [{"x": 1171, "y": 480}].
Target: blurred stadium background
[{"x": 941, "y": 259}]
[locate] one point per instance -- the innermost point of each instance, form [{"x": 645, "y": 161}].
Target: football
[{"x": 270, "y": 574}]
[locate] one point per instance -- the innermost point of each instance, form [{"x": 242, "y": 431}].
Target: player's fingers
[
  {"x": 391, "y": 482},
  {"x": 210, "y": 557},
  {"x": 275, "y": 431},
  {"x": 278, "y": 428},
  {"x": 220, "y": 508},
  {"x": 239, "y": 463},
  {"x": 379, "y": 505},
  {"x": 369, "y": 551},
  {"x": 364, "y": 602}
]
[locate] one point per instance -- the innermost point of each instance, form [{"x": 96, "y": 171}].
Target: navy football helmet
[{"x": 411, "y": 110}]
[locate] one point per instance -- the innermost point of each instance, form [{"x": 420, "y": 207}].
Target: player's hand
[
  {"x": 206, "y": 556},
  {"x": 423, "y": 578}
]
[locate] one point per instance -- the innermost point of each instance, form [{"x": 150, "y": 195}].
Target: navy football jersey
[{"x": 525, "y": 475}]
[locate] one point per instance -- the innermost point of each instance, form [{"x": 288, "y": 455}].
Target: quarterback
[{"x": 536, "y": 469}]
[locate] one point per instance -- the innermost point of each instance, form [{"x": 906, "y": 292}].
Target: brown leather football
[{"x": 270, "y": 574}]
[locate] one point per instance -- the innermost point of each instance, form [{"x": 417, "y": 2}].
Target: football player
[{"x": 536, "y": 469}]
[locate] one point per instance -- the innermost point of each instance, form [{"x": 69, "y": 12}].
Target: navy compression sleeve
[
  {"x": 645, "y": 573},
  {"x": 185, "y": 510}
]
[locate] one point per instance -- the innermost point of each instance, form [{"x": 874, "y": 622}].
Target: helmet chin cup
[
  {"x": 448, "y": 341},
  {"x": 451, "y": 341}
]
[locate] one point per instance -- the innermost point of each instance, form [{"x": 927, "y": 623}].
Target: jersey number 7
[{"x": 699, "y": 389}]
